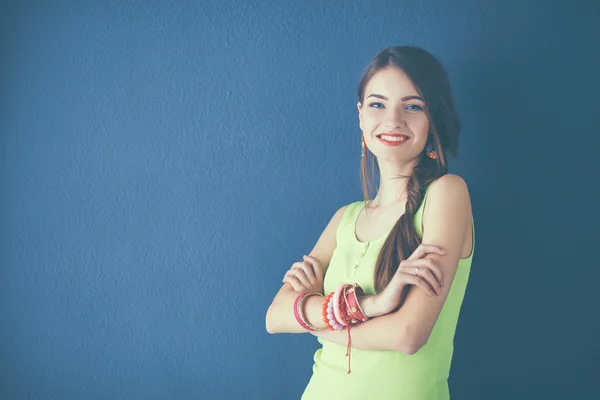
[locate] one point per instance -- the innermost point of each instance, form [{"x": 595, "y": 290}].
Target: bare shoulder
[
  {"x": 448, "y": 198},
  {"x": 447, "y": 217},
  {"x": 337, "y": 217},
  {"x": 450, "y": 185},
  {"x": 335, "y": 221},
  {"x": 326, "y": 244}
]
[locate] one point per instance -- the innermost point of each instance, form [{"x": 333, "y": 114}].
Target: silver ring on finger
[{"x": 416, "y": 271}]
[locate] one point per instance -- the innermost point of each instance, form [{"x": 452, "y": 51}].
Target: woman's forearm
[
  {"x": 382, "y": 333},
  {"x": 280, "y": 315}
]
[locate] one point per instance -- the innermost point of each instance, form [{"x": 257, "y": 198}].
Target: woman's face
[{"x": 392, "y": 117}]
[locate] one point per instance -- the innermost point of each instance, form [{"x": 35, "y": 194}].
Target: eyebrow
[{"x": 379, "y": 96}]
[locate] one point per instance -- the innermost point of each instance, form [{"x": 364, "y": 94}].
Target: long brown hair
[{"x": 431, "y": 81}]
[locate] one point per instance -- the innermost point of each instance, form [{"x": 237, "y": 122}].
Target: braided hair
[{"x": 431, "y": 81}]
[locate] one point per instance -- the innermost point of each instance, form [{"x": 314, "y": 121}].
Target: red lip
[
  {"x": 392, "y": 134},
  {"x": 393, "y": 143}
]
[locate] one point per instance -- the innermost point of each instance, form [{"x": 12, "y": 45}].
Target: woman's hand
[
  {"x": 305, "y": 276},
  {"x": 415, "y": 270}
]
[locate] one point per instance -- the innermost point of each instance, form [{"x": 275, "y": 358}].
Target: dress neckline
[{"x": 365, "y": 243}]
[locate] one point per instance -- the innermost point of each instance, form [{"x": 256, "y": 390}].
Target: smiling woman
[
  {"x": 384, "y": 284},
  {"x": 383, "y": 107}
]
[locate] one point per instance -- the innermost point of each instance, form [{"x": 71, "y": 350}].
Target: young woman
[{"x": 394, "y": 268}]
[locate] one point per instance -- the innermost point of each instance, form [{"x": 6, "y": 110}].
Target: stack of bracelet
[
  {"x": 299, "y": 312},
  {"x": 340, "y": 310}
]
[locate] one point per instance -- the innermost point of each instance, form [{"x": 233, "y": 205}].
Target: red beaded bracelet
[
  {"x": 339, "y": 310},
  {"x": 324, "y": 311}
]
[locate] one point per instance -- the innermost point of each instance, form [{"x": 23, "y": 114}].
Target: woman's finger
[
  {"x": 302, "y": 266},
  {"x": 307, "y": 269},
  {"x": 425, "y": 274},
  {"x": 316, "y": 265},
  {"x": 297, "y": 275},
  {"x": 300, "y": 275},
  {"x": 292, "y": 280},
  {"x": 420, "y": 282},
  {"x": 425, "y": 249},
  {"x": 428, "y": 263}
]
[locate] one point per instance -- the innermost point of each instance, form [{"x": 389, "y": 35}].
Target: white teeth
[{"x": 393, "y": 138}]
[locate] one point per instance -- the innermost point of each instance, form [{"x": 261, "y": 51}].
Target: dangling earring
[
  {"x": 431, "y": 153},
  {"x": 362, "y": 145}
]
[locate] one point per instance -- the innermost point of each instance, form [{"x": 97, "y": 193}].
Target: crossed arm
[{"x": 446, "y": 223}]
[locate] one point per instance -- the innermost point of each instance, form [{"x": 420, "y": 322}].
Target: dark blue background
[{"x": 164, "y": 163}]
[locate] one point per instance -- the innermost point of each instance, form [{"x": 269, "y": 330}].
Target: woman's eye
[
  {"x": 414, "y": 107},
  {"x": 376, "y": 105}
]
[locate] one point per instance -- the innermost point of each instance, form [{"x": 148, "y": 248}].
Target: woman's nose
[{"x": 395, "y": 118}]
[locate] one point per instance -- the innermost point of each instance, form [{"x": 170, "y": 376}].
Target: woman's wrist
[
  {"x": 313, "y": 311},
  {"x": 371, "y": 306}
]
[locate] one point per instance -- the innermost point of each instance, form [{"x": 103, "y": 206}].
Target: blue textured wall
[{"x": 163, "y": 164}]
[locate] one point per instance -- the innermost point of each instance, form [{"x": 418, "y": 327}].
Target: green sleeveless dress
[{"x": 386, "y": 374}]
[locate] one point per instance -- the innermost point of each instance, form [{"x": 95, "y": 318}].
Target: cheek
[
  {"x": 369, "y": 120},
  {"x": 365, "y": 123},
  {"x": 420, "y": 124}
]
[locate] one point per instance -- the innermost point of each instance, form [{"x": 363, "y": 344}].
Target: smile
[{"x": 392, "y": 139}]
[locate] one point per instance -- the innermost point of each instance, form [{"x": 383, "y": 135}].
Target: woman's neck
[{"x": 393, "y": 184}]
